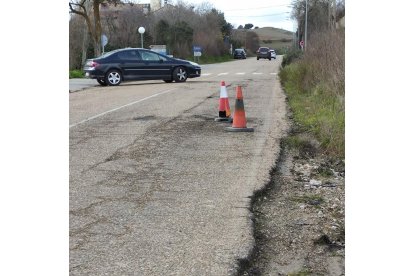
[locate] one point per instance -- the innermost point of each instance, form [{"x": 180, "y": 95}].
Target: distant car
[
  {"x": 263, "y": 52},
  {"x": 131, "y": 64},
  {"x": 239, "y": 53},
  {"x": 272, "y": 53}
]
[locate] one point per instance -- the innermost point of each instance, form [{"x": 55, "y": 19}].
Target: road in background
[
  {"x": 157, "y": 187},
  {"x": 80, "y": 84}
]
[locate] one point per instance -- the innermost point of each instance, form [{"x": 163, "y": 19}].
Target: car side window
[
  {"x": 149, "y": 56},
  {"x": 130, "y": 55}
]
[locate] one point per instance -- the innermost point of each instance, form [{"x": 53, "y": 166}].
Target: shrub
[{"x": 76, "y": 74}]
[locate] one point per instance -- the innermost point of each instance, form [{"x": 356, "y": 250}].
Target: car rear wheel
[
  {"x": 113, "y": 77},
  {"x": 102, "y": 82},
  {"x": 180, "y": 74}
]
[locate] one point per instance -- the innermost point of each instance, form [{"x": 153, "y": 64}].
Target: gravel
[{"x": 299, "y": 219}]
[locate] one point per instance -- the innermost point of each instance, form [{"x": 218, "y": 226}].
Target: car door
[
  {"x": 129, "y": 62},
  {"x": 154, "y": 66}
]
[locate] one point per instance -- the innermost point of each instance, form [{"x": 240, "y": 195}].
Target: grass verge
[
  {"x": 316, "y": 98},
  {"x": 205, "y": 59},
  {"x": 76, "y": 74}
]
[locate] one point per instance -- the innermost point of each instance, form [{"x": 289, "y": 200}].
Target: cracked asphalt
[{"x": 157, "y": 187}]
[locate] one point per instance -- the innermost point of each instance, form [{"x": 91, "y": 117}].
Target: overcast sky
[{"x": 263, "y": 13}]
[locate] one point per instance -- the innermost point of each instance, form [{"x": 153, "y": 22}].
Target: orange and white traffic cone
[
  {"x": 224, "y": 106},
  {"x": 239, "y": 117}
]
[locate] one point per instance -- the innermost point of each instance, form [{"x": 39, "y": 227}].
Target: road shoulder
[{"x": 299, "y": 217}]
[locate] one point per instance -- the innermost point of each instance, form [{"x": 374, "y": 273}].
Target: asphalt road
[
  {"x": 79, "y": 84},
  {"x": 157, "y": 187}
]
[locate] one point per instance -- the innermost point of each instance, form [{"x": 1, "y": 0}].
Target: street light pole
[
  {"x": 306, "y": 23},
  {"x": 141, "y": 30}
]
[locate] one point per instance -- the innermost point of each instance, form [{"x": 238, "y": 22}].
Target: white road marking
[
  {"x": 272, "y": 73},
  {"x": 118, "y": 108},
  {"x": 255, "y": 73},
  {"x": 206, "y": 74},
  {"x": 241, "y": 73},
  {"x": 222, "y": 74}
]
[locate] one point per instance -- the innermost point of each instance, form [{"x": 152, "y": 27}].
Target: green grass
[
  {"x": 76, "y": 74},
  {"x": 316, "y": 106}
]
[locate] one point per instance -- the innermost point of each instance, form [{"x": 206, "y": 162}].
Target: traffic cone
[
  {"x": 224, "y": 106},
  {"x": 239, "y": 117}
]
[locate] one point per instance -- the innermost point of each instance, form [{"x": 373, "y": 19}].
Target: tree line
[{"x": 179, "y": 27}]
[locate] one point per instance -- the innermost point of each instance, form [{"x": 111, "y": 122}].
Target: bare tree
[
  {"x": 92, "y": 18},
  {"x": 121, "y": 25}
]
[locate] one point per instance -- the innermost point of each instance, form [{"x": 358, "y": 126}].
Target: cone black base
[
  {"x": 239, "y": 129},
  {"x": 224, "y": 119}
]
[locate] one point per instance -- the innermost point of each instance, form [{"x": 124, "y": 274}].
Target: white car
[{"x": 272, "y": 54}]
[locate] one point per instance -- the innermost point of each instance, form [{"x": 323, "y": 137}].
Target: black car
[
  {"x": 139, "y": 64},
  {"x": 239, "y": 53},
  {"x": 263, "y": 52}
]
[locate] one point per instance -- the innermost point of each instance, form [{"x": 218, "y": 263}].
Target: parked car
[
  {"x": 131, "y": 64},
  {"x": 272, "y": 53},
  {"x": 239, "y": 53},
  {"x": 263, "y": 52}
]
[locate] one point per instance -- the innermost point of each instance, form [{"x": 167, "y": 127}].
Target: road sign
[
  {"x": 197, "y": 51},
  {"x": 197, "y": 48},
  {"x": 301, "y": 43},
  {"x": 162, "y": 49}
]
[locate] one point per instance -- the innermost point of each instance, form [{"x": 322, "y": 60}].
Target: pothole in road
[{"x": 203, "y": 117}]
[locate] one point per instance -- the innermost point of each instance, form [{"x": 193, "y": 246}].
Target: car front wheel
[
  {"x": 113, "y": 77},
  {"x": 180, "y": 74}
]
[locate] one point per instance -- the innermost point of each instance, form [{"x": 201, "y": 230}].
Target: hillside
[{"x": 273, "y": 37}]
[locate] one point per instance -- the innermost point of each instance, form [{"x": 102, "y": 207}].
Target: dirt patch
[{"x": 299, "y": 217}]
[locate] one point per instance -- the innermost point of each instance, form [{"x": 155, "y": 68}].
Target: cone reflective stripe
[
  {"x": 224, "y": 105},
  {"x": 239, "y": 116}
]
